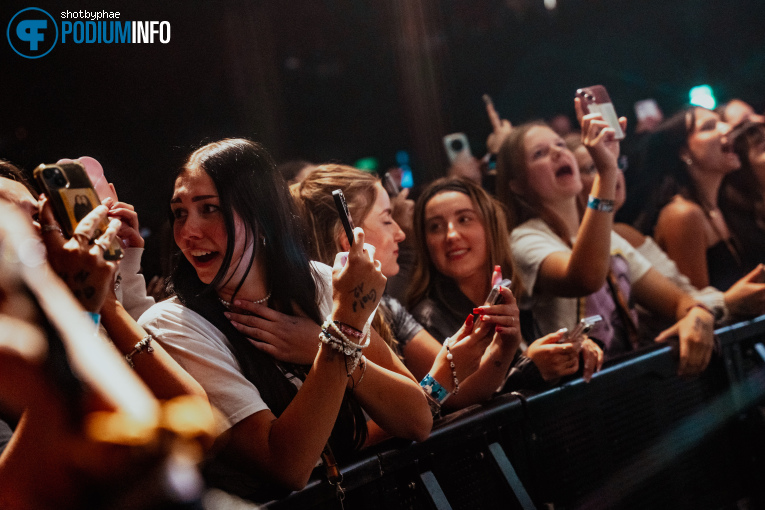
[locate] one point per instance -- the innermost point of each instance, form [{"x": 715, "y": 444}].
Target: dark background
[{"x": 344, "y": 79}]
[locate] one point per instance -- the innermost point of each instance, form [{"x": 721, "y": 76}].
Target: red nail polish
[
  {"x": 477, "y": 310},
  {"x": 499, "y": 329},
  {"x": 469, "y": 321},
  {"x": 483, "y": 318},
  {"x": 498, "y": 268}
]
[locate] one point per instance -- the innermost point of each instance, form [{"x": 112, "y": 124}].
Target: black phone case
[
  {"x": 85, "y": 200},
  {"x": 345, "y": 215}
]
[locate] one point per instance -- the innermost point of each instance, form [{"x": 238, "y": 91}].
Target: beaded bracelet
[
  {"x": 600, "y": 204},
  {"x": 450, "y": 358},
  {"x": 143, "y": 345}
]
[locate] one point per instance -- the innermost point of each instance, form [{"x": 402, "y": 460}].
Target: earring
[
  {"x": 688, "y": 161},
  {"x": 263, "y": 240}
]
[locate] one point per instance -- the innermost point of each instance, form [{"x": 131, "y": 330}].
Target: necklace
[{"x": 227, "y": 304}]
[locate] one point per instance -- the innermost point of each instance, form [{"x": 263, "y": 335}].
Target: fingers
[
  {"x": 90, "y": 223},
  {"x": 553, "y": 338},
  {"x": 358, "y": 241},
  {"x": 579, "y": 110},
  {"x": 623, "y": 123},
  {"x": 496, "y": 122},
  {"x": 50, "y": 230},
  {"x": 667, "y": 333},
  {"x": 496, "y": 275},
  {"x": 754, "y": 275}
]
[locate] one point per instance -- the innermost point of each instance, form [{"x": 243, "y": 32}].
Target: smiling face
[
  {"x": 552, "y": 170},
  {"x": 455, "y": 236},
  {"x": 199, "y": 228},
  {"x": 383, "y": 233},
  {"x": 708, "y": 146}
]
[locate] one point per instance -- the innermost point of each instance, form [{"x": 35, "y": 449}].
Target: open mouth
[
  {"x": 564, "y": 170},
  {"x": 203, "y": 257}
]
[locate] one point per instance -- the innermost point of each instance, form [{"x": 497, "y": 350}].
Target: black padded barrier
[{"x": 636, "y": 436}]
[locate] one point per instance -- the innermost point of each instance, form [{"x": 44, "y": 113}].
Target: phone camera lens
[
  {"x": 59, "y": 181},
  {"x": 457, "y": 145},
  {"x": 48, "y": 172}
]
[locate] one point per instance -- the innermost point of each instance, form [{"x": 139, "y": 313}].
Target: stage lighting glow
[
  {"x": 702, "y": 95},
  {"x": 551, "y": 4}
]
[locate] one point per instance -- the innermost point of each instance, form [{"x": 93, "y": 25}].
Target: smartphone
[
  {"x": 584, "y": 327},
  {"x": 345, "y": 215},
  {"x": 595, "y": 99},
  {"x": 494, "y": 293},
  {"x": 389, "y": 183},
  {"x": 647, "y": 108},
  {"x": 456, "y": 144},
  {"x": 73, "y": 196}
]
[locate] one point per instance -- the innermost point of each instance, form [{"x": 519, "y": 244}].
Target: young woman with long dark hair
[{"x": 239, "y": 239}]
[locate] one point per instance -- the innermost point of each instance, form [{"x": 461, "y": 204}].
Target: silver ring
[
  {"x": 512, "y": 321},
  {"x": 48, "y": 227},
  {"x": 101, "y": 245}
]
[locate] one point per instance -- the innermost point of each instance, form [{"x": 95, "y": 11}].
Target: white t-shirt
[
  {"x": 206, "y": 354},
  {"x": 532, "y": 242}
]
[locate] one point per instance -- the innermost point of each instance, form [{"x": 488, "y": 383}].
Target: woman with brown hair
[
  {"x": 461, "y": 236},
  {"x": 574, "y": 266},
  {"x": 480, "y": 353}
]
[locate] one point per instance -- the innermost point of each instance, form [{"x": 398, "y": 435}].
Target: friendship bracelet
[
  {"x": 434, "y": 389},
  {"x": 450, "y": 358},
  {"x": 347, "y": 349},
  {"x": 143, "y": 345},
  {"x": 601, "y": 204},
  {"x": 363, "y": 363}
]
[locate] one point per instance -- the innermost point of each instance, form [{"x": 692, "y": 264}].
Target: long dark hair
[
  {"x": 663, "y": 171},
  {"x": 248, "y": 183}
]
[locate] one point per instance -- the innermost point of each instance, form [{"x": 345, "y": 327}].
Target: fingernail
[
  {"x": 483, "y": 317},
  {"x": 238, "y": 302},
  {"x": 234, "y": 324},
  {"x": 477, "y": 310},
  {"x": 563, "y": 330},
  {"x": 499, "y": 329},
  {"x": 469, "y": 321},
  {"x": 228, "y": 315},
  {"x": 498, "y": 268}
]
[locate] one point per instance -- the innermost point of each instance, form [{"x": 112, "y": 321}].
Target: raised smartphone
[
  {"x": 345, "y": 215},
  {"x": 455, "y": 145},
  {"x": 73, "y": 196},
  {"x": 595, "y": 99}
]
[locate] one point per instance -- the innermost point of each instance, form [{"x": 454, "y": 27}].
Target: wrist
[{"x": 353, "y": 320}]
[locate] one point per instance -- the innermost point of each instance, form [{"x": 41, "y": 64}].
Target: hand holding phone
[
  {"x": 595, "y": 99},
  {"x": 576, "y": 336},
  {"x": 73, "y": 196},
  {"x": 456, "y": 145},
  {"x": 345, "y": 215}
]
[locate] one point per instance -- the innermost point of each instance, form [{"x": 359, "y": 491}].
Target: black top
[
  {"x": 722, "y": 267},
  {"x": 442, "y": 313}
]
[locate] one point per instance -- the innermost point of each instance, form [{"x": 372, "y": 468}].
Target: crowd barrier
[{"x": 637, "y": 436}]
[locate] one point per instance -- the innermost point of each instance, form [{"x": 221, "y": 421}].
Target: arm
[
  {"x": 694, "y": 326},
  {"x": 584, "y": 270},
  {"x": 288, "y": 447},
  {"x": 680, "y": 231},
  {"x": 161, "y": 373}
]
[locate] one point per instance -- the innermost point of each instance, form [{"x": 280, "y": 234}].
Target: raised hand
[{"x": 357, "y": 283}]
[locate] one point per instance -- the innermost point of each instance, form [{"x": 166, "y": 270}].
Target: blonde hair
[{"x": 313, "y": 197}]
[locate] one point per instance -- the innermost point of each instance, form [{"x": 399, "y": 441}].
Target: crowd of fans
[{"x": 279, "y": 344}]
